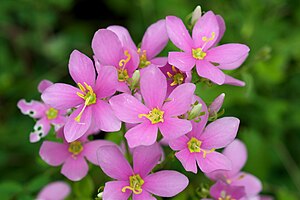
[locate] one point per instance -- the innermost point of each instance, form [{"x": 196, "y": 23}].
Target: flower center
[
  {"x": 155, "y": 116},
  {"x": 136, "y": 183},
  {"x": 198, "y": 54},
  {"x": 75, "y": 148},
  {"x": 224, "y": 196},
  {"x": 51, "y": 113},
  {"x": 122, "y": 75},
  {"x": 88, "y": 95},
  {"x": 194, "y": 146},
  {"x": 177, "y": 78},
  {"x": 144, "y": 62}
]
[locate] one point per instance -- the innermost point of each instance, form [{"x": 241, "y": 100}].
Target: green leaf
[{"x": 84, "y": 189}]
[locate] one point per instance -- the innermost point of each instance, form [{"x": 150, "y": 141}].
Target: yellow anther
[
  {"x": 228, "y": 181},
  {"x": 135, "y": 186},
  {"x": 198, "y": 53},
  {"x": 75, "y": 148},
  {"x": 144, "y": 62},
  {"x": 194, "y": 146},
  {"x": 155, "y": 116},
  {"x": 123, "y": 75},
  {"x": 205, "y": 39},
  {"x": 178, "y": 77},
  {"x": 81, "y": 87},
  {"x": 123, "y": 62},
  {"x": 174, "y": 69},
  {"x": 51, "y": 113},
  {"x": 241, "y": 176}
]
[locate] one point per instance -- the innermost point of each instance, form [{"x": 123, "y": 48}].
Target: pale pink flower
[{"x": 58, "y": 190}]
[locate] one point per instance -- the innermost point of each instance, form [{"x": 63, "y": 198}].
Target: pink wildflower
[
  {"x": 222, "y": 191},
  {"x": 93, "y": 110},
  {"x": 216, "y": 105},
  {"x": 137, "y": 180},
  {"x": 158, "y": 112},
  {"x": 200, "y": 51},
  {"x": 54, "y": 191}
]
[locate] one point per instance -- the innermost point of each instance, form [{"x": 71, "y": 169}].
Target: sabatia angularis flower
[
  {"x": 45, "y": 114},
  {"x": 199, "y": 145},
  {"x": 237, "y": 153},
  {"x": 58, "y": 190},
  {"x": 222, "y": 191},
  {"x": 158, "y": 112},
  {"x": 200, "y": 51},
  {"x": 72, "y": 155},
  {"x": 93, "y": 110},
  {"x": 137, "y": 181}
]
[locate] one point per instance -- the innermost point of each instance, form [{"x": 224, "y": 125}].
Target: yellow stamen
[
  {"x": 135, "y": 186},
  {"x": 75, "y": 148},
  {"x": 144, "y": 62},
  {"x": 194, "y": 146},
  {"x": 51, "y": 113},
  {"x": 155, "y": 116},
  {"x": 205, "y": 39},
  {"x": 123, "y": 62},
  {"x": 198, "y": 54},
  {"x": 123, "y": 75}
]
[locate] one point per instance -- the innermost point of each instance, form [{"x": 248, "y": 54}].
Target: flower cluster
[{"x": 152, "y": 100}]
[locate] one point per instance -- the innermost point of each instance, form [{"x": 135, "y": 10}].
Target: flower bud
[
  {"x": 196, "y": 15},
  {"x": 216, "y": 105},
  {"x": 195, "y": 112},
  {"x": 135, "y": 79}
]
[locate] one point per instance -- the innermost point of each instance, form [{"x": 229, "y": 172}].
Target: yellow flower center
[
  {"x": 88, "y": 95},
  {"x": 177, "y": 78},
  {"x": 198, "y": 53},
  {"x": 136, "y": 183},
  {"x": 75, "y": 148},
  {"x": 51, "y": 113},
  {"x": 144, "y": 62},
  {"x": 155, "y": 116},
  {"x": 224, "y": 196},
  {"x": 122, "y": 75},
  {"x": 194, "y": 146}
]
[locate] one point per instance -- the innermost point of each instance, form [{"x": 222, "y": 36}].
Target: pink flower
[
  {"x": 199, "y": 145},
  {"x": 216, "y": 105},
  {"x": 137, "y": 180},
  {"x": 237, "y": 153},
  {"x": 200, "y": 51},
  {"x": 72, "y": 155},
  {"x": 45, "y": 115},
  {"x": 222, "y": 191},
  {"x": 54, "y": 191},
  {"x": 92, "y": 108},
  {"x": 158, "y": 113}
]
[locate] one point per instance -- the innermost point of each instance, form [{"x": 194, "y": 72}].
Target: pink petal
[
  {"x": 227, "y": 53},
  {"x": 112, "y": 162},
  {"x": 43, "y": 85},
  {"x": 81, "y": 68},
  {"x": 173, "y": 128},
  {"x": 155, "y": 39},
  {"x": 180, "y": 100},
  {"x": 34, "y": 109},
  {"x": 237, "y": 153},
  {"x": 207, "y": 70},
  {"x": 75, "y": 168},
  {"x": 62, "y": 96},
  {"x": 107, "y": 81},
  {"x": 165, "y": 183},
  {"x": 152, "y": 79},
  {"x": 219, "y": 189},
  {"x": 90, "y": 149},
  {"x": 107, "y": 47},
  {"x": 205, "y": 27},
  {"x": 142, "y": 134},
  {"x": 54, "y": 191},
  {"x": 105, "y": 118},
  {"x": 73, "y": 129},
  {"x": 213, "y": 161},
  {"x": 54, "y": 153},
  {"x": 159, "y": 61},
  {"x": 220, "y": 133},
  {"x": 143, "y": 196},
  {"x": 222, "y": 29},
  {"x": 232, "y": 81},
  {"x": 178, "y": 34},
  {"x": 145, "y": 158},
  {"x": 127, "y": 108},
  {"x": 187, "y": 160},
  {"x": 182, "y": 60},
  {"x": 123, "y": 36},
  {"x": 216, "y": 105},
  {"x": 179, "y": 143},
  {"x": 251, "y": 183},
  {"x": 42, "y": 127},
  {"x": 113, "y": 190},
  {"x": 233, "y": 65}
]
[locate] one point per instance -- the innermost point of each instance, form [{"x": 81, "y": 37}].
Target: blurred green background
[{"x": 37, "y": 37}]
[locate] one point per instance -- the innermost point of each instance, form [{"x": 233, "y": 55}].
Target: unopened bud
[
  {"x": 216, "y": 105},
  {"x": 196, "y": 15},
  {"x": 195, "y": 112},
  {"x": 135, "y": 79}
]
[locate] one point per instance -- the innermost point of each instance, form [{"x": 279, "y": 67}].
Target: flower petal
[
  {"x": 81, "y": 68},
  {"x": 145, "y": 158},
  {"x": 180, "y": 100},
  {"x": 34, "y": 109},
  {"x": 62, "y": 96},
  {"x": 213, "y": 161},
  {"x": 227, "y": 53},
  {"x": 73, "y": 129},
  {"x": 107, "y": 81},
  {"x": 207, "y": 26},
  {"x": 159, "y": 61},
  {"x": 152, "y": 79},
  {"x": 222, "y": 29},
  {"x": 179, "y": 143},
  {"x": 123, "y": 36},
  {"x": 251, "y": 183},
  {"x": 220, "y": 133},
  {"x": 143, "y": 196},
  {"x": 173, "y": 128},
  {"x": 75, "y": 168},
  {"x": 127, "y": 108},
  {"x": 90, "y": 149},
  {"x": 105, "y": 118},
  {"x": 220, "y": 188},
  {"x": 187, "y": 160},
  {"x": 54, "y": 153},
  {"x": 43, "y": 85},
  {"x": 155, "y": 39},
  {"x": 233, "y": 65},
  {"x": 107, "y": 47},
  {"x": 113, "y": 190},
  {"x": 113, "y": 163},
  {"x": 229, "y": 80},
  {"x": 142, "y": 134},
  {"x": 166, "y": 183},
  {"x": 207, "y": 70},
  {"x": 178, "y": 33},
  {"x": 182, "y": 60},
  {"x": 58, "y": 190},
  {"x": 41, "y": 128}
]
